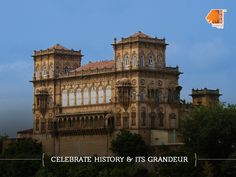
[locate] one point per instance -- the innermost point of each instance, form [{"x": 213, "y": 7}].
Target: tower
[
  {"x": 139, "y": 51},
  {"x": 205, "y": 97},
  {"x": 50, "y": 64},
  {"x": 140, "y": 64}
]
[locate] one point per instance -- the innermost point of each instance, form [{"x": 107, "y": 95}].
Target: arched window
[
  {"x": 66, "y": 69},
  {"x": 72, "y": 98},
  {"x": 142, "y": 96},
  {"x": 118, "y": 119},
  {"x": 93, "y": 95},
  {"x": 142, "y": 61},
  {"x": 134, "y": 59},
  {"x": 64, "y": 98},
  {"x": 79, "y": 97},
  {"x": 51, "y": 71},
  {"x": 37, "y": 124},
  {"x": 108, "y": 94},
  {"x": 50, "y": 124},
  {"x": 57, "y": 71},
  {"x": 161, "y": 119},
  {"x": 150, "y": 60},
  {"x": 44, "y": 71},
  {"x": 172, "y": 119},
  {"x": 118, "y": 62},
  {"x": 38, "y": 73},
  {"x": 160, "y": 59},
  {"x": 133, "y": 96},
  {"x": 126, "y": 60},
  {"x": 153, "y": 120},
  {"x": 143, "y": 117},
  {"x": 86, "y": 96},
  {"x": 133, "y": 117},
  {"x": 43, "y": 126},
  {"x": 100, "y": 95},
  {"x": 125, "y": 120}
]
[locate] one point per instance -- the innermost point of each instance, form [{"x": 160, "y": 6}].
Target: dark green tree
[
  {"x": 128, "y": 144},
  {"x": 21, "y": 149},
  {"x": 211, "y": 133}
]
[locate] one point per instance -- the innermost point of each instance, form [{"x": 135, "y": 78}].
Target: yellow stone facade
[{"x": 78, "y": 109}]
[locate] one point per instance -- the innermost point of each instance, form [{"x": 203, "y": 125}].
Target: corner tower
[
  {"x": 147, "y": 91},
  {"x": 205, "y": 97},
  {"x": 49, "y": 66},
  {"x": 139, "y": 51}
]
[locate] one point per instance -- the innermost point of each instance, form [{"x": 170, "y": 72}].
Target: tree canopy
[
  {"x": 211, "y": 131},
  {"x": 128, "y": 144}
]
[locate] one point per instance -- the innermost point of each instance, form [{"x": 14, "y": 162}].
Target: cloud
[{"x": 14, "y": 66}]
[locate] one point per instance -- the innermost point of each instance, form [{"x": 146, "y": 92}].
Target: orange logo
[{"x": 216, "y": 18}]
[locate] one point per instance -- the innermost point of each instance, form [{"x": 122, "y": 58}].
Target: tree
[
  {"x": 211, "y": 133},
  {"x": 128, "y": 144},
  {"x": 21, "y": 149},
  {"x": 2, "y": 138}
]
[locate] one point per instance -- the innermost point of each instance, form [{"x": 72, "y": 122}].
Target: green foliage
[
  {"x": 128, "y": 144},
  {"x": 211, "y": 133},
  {"x": 229, "y": 167},
  {"x": 2, "y": 137},
  {"x": 24, "y": 148},
  {"x": 21, "y": 149}
]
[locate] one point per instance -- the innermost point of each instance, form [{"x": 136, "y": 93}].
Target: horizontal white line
[
  {"x": 19, "y": 159},
  {"x": 215, "y": 159}
]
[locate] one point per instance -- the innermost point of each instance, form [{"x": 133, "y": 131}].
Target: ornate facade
[{"x": 78, "y": 109}]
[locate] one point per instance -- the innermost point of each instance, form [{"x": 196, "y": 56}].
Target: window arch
[
  {"x": 141, "y": 60},
  {"x": 133, "y": 95},
  {"x": 50, "y": 124},
  {"x": 153, "y": 120},
  {"x": 57, "y": 71},
  {"x": 172, "y": 119},
  {"x": 66, "y": 69},
  {"x": 44, "y": 71},
  {"x": 161, "y": 119},
  {"x": 134, "y": 60},
  {"x": 86, "y": 96},
  {"x": 64, "y": 98},
  {"x": 108, "y": 94},
  {"x": 133, "y": 117},
  {"x": 100, "y": 95},
  {"x": 118, "y": 119},
  {"x": 72, "y": 98},
  {"x": 143, "y": 117},
  {"x": 93, "y": 95},
  {"x": 150, "y": 60},
  {"x": 37, "y": 124},
  {"x": 118, "y": 62},
  {"x": 126, "y": 60},
  {"x": 38, "y": 72},
  {"x": 51, "y": 71},
  {"x": 78, "y": 97},
  {"x": 142, "y": 96},
  {"x": 160, "y": 59}
]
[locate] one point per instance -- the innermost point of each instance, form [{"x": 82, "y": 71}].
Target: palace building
[{"x": 78, "y": 109}]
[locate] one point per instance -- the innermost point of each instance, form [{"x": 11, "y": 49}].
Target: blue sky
[{"x": 204, "y": 54}]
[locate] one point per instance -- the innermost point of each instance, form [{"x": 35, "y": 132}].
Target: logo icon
[{"x": 216, "y": 18}]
